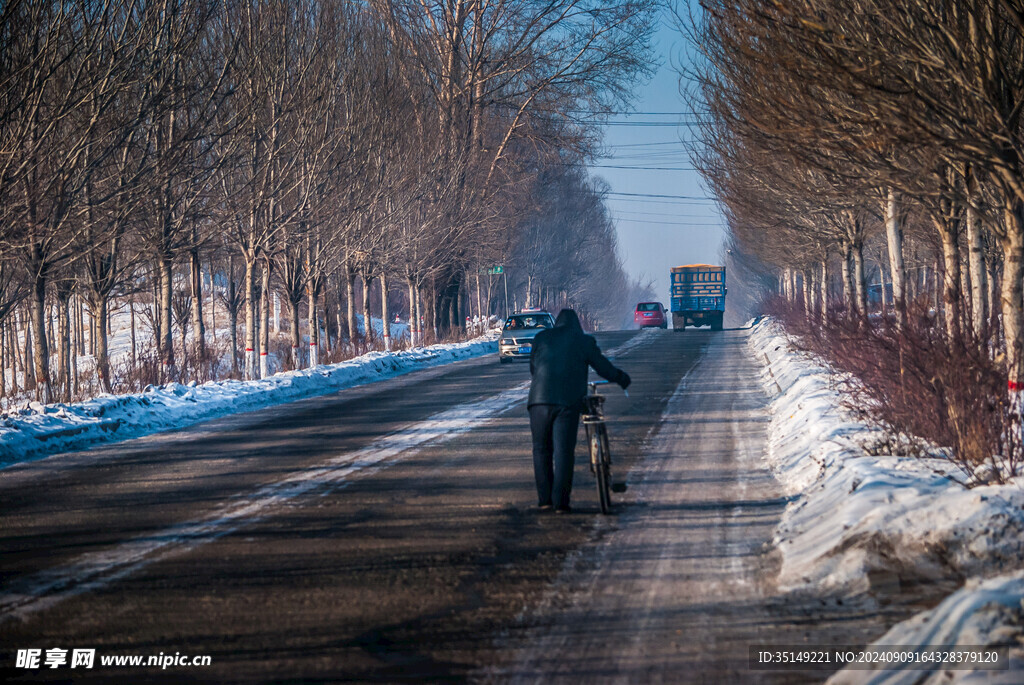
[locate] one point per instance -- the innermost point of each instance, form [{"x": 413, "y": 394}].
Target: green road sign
[{"x": 493, "y": 270}]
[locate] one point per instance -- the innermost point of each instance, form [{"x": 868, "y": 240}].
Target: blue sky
[{"x": 657, "y": 233}]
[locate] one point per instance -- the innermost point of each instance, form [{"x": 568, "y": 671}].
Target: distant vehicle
[
  {"x": 650, "y": 315},
  {"x": 698, "y": 296},
  {"x": 517, "y": 335}
]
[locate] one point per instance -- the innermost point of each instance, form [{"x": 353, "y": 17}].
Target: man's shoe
[
  {"x": 563, "y": 510},
  {"x": 545, "y": 507}
]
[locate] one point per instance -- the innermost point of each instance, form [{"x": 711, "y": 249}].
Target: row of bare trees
[
  {"x": 836, "y": 126},
  {"x": 313, "y": 146}
]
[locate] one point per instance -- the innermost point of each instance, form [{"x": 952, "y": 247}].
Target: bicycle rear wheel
[{"x": 602, "y": 468}]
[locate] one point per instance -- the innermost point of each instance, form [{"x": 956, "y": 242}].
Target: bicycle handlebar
[{"x": 593, "y": 386}]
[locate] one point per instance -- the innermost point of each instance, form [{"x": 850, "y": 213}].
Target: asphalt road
[{"x": 388, "y": 533}]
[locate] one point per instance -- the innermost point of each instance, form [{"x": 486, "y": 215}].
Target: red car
[{"x": 649, "y": 315}]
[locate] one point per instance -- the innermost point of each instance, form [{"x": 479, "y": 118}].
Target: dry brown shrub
[{"x": 926, "y": 390}]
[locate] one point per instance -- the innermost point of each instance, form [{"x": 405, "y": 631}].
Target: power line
[
  {"x": 643, "y": 123},
  {"x": 671, "y": 197},
  {"x": 677, "y": 215},
  {"x": 671, "y": 203},
  {"x": 643, "y": 168},
  {"x": 669, "y": 223},
  {"x": 667, "y": 142},
  {"x": 595, "y": 112}
]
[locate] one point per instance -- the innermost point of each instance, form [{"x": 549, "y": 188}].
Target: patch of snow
[
  {"x": 38, "y": 431},
  {"x": 983, "y": 613},
  {"x": 398, "y": 329}
]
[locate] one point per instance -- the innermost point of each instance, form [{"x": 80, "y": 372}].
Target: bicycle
[{"x": 597, "y": 443}]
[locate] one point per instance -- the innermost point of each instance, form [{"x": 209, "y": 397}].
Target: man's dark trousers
[{"x": 554, "y": 442}]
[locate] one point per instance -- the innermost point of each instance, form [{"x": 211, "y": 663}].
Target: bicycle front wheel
[{"x": 603, "y": 488}]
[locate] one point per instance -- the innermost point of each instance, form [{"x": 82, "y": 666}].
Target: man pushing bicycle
[{"x": 558, "y": 366}]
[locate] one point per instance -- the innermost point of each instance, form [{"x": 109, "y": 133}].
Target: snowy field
[
  {"x": 872, "y": 524},
  {"x": 37, "y": 430},
  {"x": 124, "y": 328}
]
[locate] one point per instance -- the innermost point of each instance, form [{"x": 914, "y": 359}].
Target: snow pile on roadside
[
  {"x": 39, "y": 430},
  {"x": 859, "y": 522},
  {"x": 985, "y": 613}
]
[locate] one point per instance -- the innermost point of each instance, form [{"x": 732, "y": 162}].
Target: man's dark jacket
[{"x": 559, "y": 361}]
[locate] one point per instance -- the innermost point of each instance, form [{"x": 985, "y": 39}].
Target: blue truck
[{"x": 698, "y": 296}]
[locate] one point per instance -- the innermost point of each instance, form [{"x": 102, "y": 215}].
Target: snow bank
[
  {"x": 39, "y": 430},
  {"x": 985, "y": 613},
  {"x": 858, "y": 523}
]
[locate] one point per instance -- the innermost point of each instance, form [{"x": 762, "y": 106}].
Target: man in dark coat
[{"x": 558, "y": 364}]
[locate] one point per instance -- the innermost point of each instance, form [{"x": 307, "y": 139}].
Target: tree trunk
[
  {"x": 480, "y": 304},
  {"x": 350, "y": 301},
  {"x": 881, "y": 284},
  {"x": 339, "y": 316},
  {"x": 51, "y": 333},
  {"x": 420, "y": 319},
  {"x": 808, "y": 306},
  {"x": 29, "y": 374},
  {"x": 455, "y": 300},
  {"x": 1013, "y": 321},
  {"x": 293, "y": 311},
  {"x": 894, "y": 239},
  {"x": 3, "y": 360},
  {"x": 12, "y": 355},
  {"x": 859, "y": 282},
  {"x": 994, "y": 287},
  {"x": 977, "y": 270},
  {"x": 157, "y": 325},
  {"x": 40, "y": 348},
  {"x": 75, "y": 332},
  {"x": 367, "y": 327},
  {"x": 265, "y": 321},
  {"x": 264, "y": 331},
  {"x": 80, "y": 334},
  {"x": 824, "y": 291},
  {"x": 384, "y": 313},
  {"x": 277, "y": 314},
  {"x": 232, "y": 314},
  {"x": 951, "y": 281},
  {"x": 314, "y": 327},
  {"x": 98, "y": 311},
  {"x": 325, "y": 307},
  {"x": 250, "y": 318},
  {"x": 198, "y": 327},
  {"x": 63, "y": 340},
  {"x": 213, "y": 305},
  {"x": 413, "y": 318},
  {"x": 847, "y": 274},
  {"x": 166, "y": 344},
  {"x": 1013, "y": 292}
]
